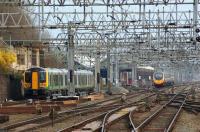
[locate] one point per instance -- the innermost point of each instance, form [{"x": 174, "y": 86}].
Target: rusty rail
[
  {"x": 81, "y": 124},
  {"x": 155, "y": 114},
  {"x": 82, "y": 109},
  {"x": 169, "y": 128},
  {"x": 104, "y": 123},
  {"x": 107, "y": 114}
]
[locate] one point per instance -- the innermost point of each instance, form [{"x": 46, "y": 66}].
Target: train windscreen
[
  {"x": 158, "y": 76},
  {"x": 42, "y": 76},
  {"x": 28, "y": 76}
]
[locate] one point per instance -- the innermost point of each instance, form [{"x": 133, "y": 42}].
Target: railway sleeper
[
  {"x": 191, "y": 110},
  {"x": 4, "y": 118},
  {"x": 187, "y": 107}
]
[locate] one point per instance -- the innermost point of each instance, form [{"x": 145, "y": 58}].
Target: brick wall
[
  {"x": 10, "y": 88},
  {"x": 4, "y": 86}
]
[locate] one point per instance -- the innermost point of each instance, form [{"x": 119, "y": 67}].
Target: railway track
[
  {"x": 119, "y": 117},
  {"x": 93, "y": 112},
  {"x": 164, "y": 118},
  {"x": 99, "y": 108},
  {"x": 101, "y": 121},
  {"x": 44, "y": 120}
]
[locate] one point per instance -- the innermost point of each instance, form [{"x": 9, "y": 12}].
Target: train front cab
[
  {"x": 35, "y": 82},
  {"x": 158, "y": 79}
]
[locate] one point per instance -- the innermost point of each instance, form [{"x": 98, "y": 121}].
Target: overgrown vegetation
[
  {"x": 18, "y": 35},
  {"x": 7, "y": 58}
]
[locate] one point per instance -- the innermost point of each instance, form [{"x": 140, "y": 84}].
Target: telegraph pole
[
  {"x": 97, "y": 68},
  {"x": 195, "y": 21},
  {"x": 71, "y": 90}
]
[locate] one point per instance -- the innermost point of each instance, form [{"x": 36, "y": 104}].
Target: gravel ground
[
  {"x": 21, "y": 117},
  {"x": 187, "y": 122},
  {"x": 119, "y": 90},
  {"x": 16, "y": 118},
  {"x": 67, "y": 123}
]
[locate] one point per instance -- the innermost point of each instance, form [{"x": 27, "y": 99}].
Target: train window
[
  {"x": 75, "y": 79},
  {"x": 61, "y": 80},
  {"x": 42, "y": 76},
  {"x": 85, "y": 80},
  {"x": 88, "y": 80},
  {"x": 55, "y": 80},
  {"x": 82, "y": 79},
  {"x": 79, "y": 80},
  {"x": 28, "y": 77},
  {"x": 58, "y": 79},
  {"x": 149, "y": 77},
  {"x": 65, "y": 79},
  {"x": 49, "y": 79},
  {"x": 52, "y": 79},
  {"x": 158, "y": 76}
]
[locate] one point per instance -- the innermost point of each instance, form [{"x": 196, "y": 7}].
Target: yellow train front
[
  {"x": 35, "y": 81},
  {"x": 161, "y": 79}
]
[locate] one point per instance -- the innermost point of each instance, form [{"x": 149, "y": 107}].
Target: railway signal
[{"x": 198, "y": 39}]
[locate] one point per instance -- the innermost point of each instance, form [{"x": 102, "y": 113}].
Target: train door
[{"x": 35, "y": 80}]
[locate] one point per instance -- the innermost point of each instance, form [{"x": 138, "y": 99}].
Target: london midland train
[
  {"x": 46, "y": 81},
  {"x": 161, "y": 79}
]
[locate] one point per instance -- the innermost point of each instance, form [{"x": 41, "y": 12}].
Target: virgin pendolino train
[{"x": 161, "y": 79}]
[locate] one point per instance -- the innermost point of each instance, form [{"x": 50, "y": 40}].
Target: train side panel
[{"x": 40, "y": 81}]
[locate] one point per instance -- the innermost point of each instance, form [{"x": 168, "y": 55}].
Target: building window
[
  {"x": 34, "y": 58},
  {"x": 21, "y": 59},
  {"x": 42, "y": 58}
]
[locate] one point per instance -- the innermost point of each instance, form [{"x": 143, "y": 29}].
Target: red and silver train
[{"x": 143, "y": 77}]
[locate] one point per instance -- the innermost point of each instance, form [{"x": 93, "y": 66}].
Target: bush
[{"x": 7, "y": 58}]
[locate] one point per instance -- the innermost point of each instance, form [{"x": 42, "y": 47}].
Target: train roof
[
  {"x": 35, "y": 68},
  {"x": 83, "y": 72},
  {"x": 55, "y": 70}
]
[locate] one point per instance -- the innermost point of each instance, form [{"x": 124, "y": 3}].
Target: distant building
[{"x": 28, "y": 56}]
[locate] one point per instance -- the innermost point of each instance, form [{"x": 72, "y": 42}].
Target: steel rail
[
  {"x": 150, "y": 118},
  {"x": 107, "y": 114},
  {"x": 76, "y": 126},
  {"x": 81, "y": 109},
  {"x": 103, "y": 128},
  {"x": 134, "y": 103},
  {"x": 77, "y": 109},
  {"x": 176, "y": 116}
]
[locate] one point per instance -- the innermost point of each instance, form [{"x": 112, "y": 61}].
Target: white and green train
[{"x": 46, "y": 81}]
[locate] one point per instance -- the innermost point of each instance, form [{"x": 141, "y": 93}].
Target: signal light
[
  {"x": 198, "y": 39},
  {"x": 197, "y": 30}
]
